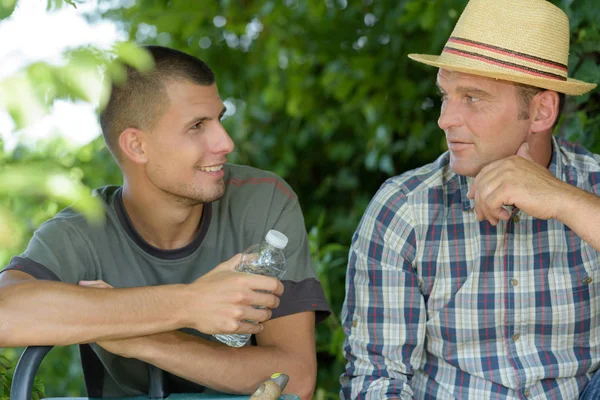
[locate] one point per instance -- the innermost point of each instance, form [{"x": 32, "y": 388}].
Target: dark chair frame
[{"x": 30, "y": 360}]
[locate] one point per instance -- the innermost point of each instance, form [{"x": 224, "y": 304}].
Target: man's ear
[
  {"x": 545, "y": 111},
  {"x": 132, "y": 145}
]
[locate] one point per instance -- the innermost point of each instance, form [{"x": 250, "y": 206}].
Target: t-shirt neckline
[{"x": 174, "y": 254}]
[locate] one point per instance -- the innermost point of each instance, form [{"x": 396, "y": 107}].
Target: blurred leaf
[
  {"x": 135, "y": 56},
  {"x": 53, "y": 5},
  {"x": 6, "y": 8},
  {"x": 49, "y": 181}
]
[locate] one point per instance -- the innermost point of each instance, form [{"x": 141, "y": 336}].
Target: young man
[
  {"x": 164, "y": 259},
  {"x": 478, "y": 276}
]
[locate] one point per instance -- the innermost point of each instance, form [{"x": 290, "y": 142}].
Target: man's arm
[
  {"x": 384, "y": 311},
  {"x": 519, "y": 181},
  {"x": 580, "y": 211},
  {"x": 36, "y": 312},
  {"x": 286, "y": 345}
]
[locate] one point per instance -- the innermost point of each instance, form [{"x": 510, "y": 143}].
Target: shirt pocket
[{"x": 575, "y": 304}]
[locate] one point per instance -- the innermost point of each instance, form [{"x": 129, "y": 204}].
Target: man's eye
[
  {"x": 198, "y": 125},
  {"x": 473, "y": 100}
]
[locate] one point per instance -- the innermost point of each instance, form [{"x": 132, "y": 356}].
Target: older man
[{"x": 478, "y": 276}]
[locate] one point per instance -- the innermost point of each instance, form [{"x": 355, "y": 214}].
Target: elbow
[
  {"x": 305, "y": 393},
  {"x": 9, "y": 335},
  {"x": 303, "y": 383},
  {"x": 5, "y": 339},
  {"x": 3, "y": 322}
]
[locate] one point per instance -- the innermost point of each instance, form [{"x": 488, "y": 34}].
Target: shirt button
[
  {"x": 354, "y": 324},
  {"x": 516, "y": 218},
  {"x": 514, "y": 282},
  {"x": 588, "y": 280},
  {"x": 527, "y": 393},
  {"x": 516, "y": 337}
]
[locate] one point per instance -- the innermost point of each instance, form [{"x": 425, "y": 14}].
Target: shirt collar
[{"x": 555, "y": 167}]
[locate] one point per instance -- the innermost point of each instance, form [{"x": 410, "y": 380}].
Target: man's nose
[
  {"x": 222, "y": 142},
  {"x": 449, "y": 115}
]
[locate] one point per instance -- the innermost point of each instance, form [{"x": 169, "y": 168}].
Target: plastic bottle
[{"x": 264, "y": 258}]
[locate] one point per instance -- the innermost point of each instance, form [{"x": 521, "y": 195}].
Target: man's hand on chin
[{"x": 518, "y": 181}]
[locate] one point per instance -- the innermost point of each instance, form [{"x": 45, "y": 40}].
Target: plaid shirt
[{"x": 442, "y": 306}]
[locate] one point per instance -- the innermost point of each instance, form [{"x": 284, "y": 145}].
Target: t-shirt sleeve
[
  {"x": 57, "y": 251},
  {"x": 302, "y": 289}
]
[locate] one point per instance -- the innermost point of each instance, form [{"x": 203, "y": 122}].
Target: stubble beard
[
  {"x": 185, "y": 193},
  {"x": 192, "y": 196}
]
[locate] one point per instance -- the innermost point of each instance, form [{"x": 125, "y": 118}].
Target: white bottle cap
[{"x": 277, "y": 239}]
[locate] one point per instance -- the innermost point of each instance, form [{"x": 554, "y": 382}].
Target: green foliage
[
  {"x": 6, "y": 8},
  {"x": 7, "y": 370},
  {"x": 324, "y": 96}
]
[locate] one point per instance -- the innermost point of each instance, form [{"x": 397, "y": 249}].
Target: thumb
[
  {"x": 524, "y": 152},
  {"x": 472, "y": 190},
  {"x": 232, "y": 263}
]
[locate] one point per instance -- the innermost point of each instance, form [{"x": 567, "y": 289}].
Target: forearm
[
  {"x": 580, "y": 211},
  {"x": 222, "y": 368},
  {"x": 52, "y": 313}
]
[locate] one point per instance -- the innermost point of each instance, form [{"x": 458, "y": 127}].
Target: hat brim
[{"x": 572, "y": 87}]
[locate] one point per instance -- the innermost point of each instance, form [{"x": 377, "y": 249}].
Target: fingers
[
  {"x": 472, "y": 190},
  {"x": 524, "y": 152},
  {"x": 265, "y": 299},
  {"x": 483, "y": 175},
  {"x": 251, "y": 298},
  {"x": 248, "y": 327},
  {"x": 247, "y": 320},
  {"x": 492, "y": 209},
  {"x": 489, "y": 204},
  {"x": 491, "y": 192},
  {"x": 254, "y": 314},
  {"x": 231, "y": 264},
  {"x": 265, "y": 283},
  {"x": 95, "y": 284}
]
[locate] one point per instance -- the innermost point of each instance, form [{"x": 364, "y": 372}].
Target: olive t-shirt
[{"x": 69, "y": 249}]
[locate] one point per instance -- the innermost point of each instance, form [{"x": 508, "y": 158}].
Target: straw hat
[{"x": 524, "y": 41}]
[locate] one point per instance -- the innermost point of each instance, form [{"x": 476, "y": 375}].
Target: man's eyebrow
[
  {"x": 197, "y": 119},
  {"x": 474, "y": 91}
]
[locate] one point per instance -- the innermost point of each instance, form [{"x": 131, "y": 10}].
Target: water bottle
[{"x": 264, "y": 258}]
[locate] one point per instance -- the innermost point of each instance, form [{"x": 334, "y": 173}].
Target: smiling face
[
  {"x": 187, "y": 148},
  {"x": 480, "y": 117}
]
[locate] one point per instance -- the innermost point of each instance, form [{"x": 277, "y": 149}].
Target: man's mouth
[
  {"x": 457, "y": 145},
  {"x": 213, "y": 168}
]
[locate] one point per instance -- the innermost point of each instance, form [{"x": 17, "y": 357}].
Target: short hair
[
  {"x": 141, "y": 100},
  {"x": 526, "y": 92}
]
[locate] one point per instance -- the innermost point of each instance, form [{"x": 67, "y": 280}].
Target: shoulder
[
  {"x": 415, "y": 185},
  {"x": 578, "y": 156},
  {"x": 71, "y": 222},
  {"x": 394, "y": 211},
  {"x": 67, "y": 222},
  {"x": 581, "y": 166}
]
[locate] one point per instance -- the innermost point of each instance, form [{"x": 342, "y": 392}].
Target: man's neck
[
  {"x": 540, "y": 148},
  {"x": 160, "y": 219}
]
